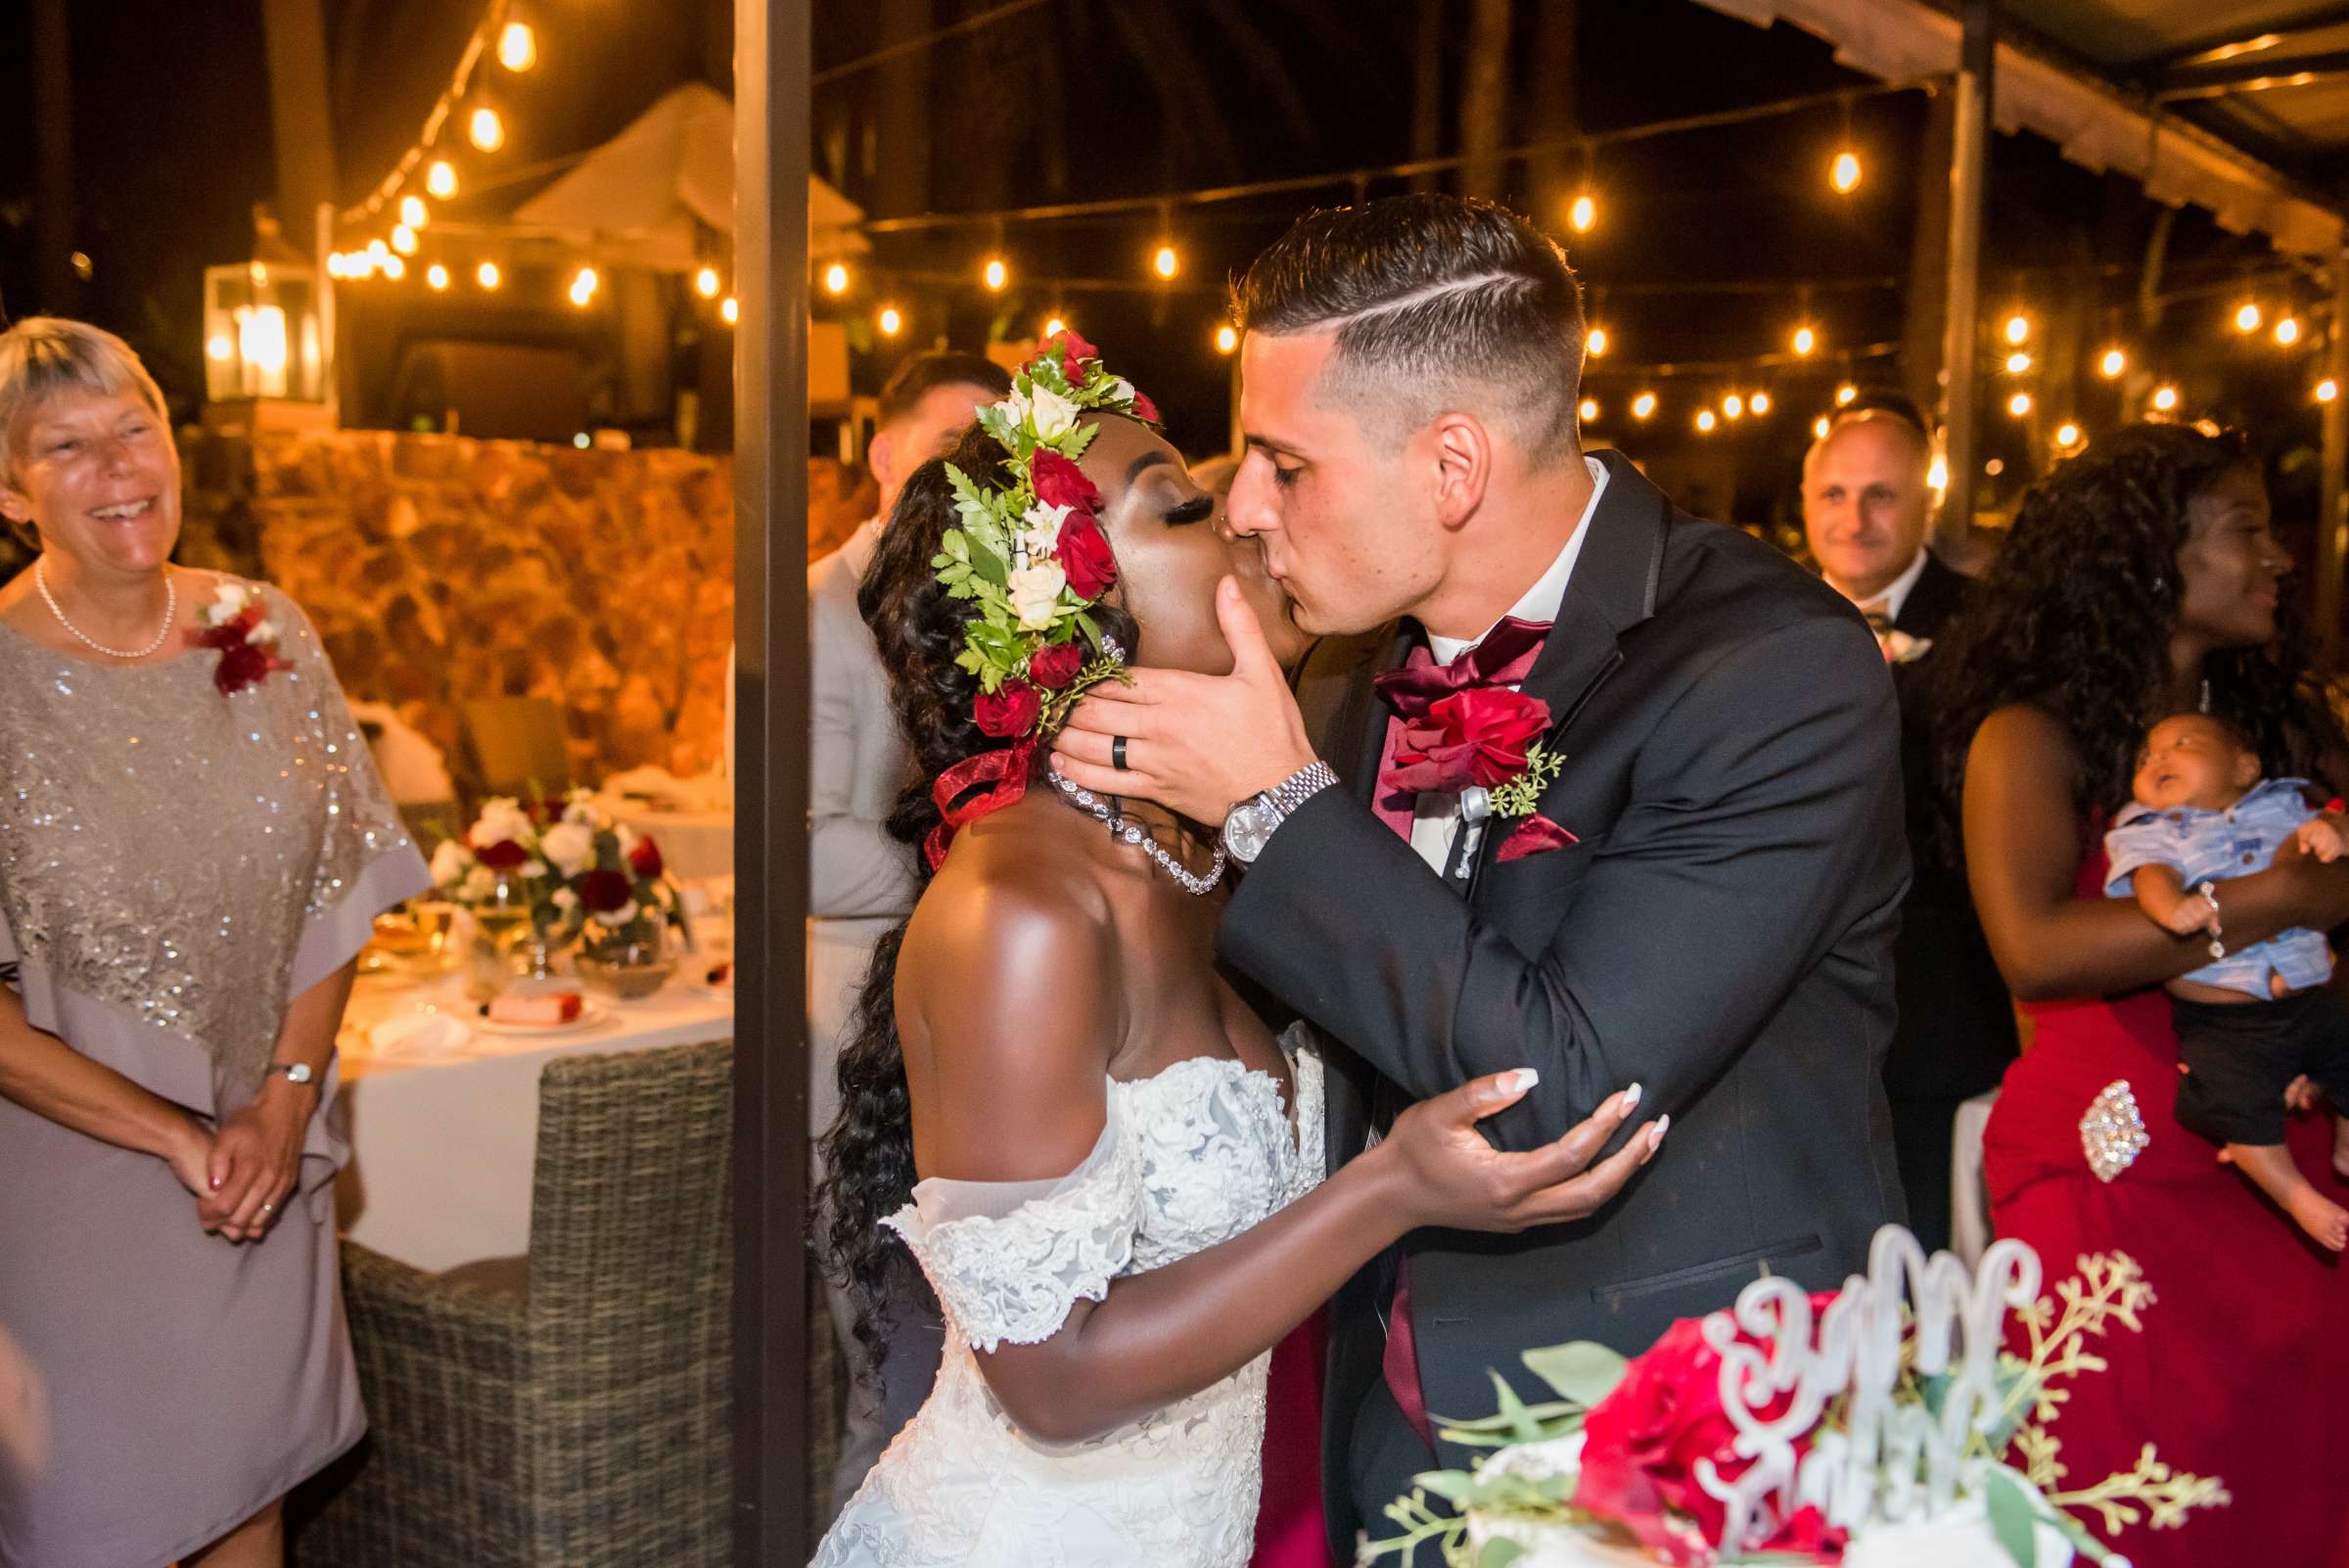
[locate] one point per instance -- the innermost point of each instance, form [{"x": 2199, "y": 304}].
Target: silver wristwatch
[{"x": 1248, "y": 826}]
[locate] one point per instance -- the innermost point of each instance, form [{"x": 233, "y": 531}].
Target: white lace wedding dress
[{"x": 1188, "y": 1158}]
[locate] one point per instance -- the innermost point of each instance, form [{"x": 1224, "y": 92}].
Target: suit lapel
[{"x": 1939, "y": 593}]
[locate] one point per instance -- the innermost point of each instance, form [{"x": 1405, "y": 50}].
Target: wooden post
[
  {"x": 55, "y": 225},
  {"x": 2332, "y": 520},
  {"x": 770, "y": 783},
  {"x": 303, "y": 129},
  {"x": 1970, "y": 167}
]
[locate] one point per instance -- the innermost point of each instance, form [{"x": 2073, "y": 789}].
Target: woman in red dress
[{"x": 2140, "y": 580}]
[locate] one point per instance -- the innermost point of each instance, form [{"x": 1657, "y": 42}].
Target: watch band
[{"x": 1299, "y": 786}]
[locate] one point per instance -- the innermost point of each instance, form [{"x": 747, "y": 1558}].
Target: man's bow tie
[{"x": 1504, "y": 658}]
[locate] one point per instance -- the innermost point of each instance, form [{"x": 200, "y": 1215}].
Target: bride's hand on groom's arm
[
  {"x": 1446, "y": 1173},
  {"x": 1195, "y": 744}
]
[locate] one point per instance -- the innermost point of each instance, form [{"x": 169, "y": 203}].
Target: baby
[{"x": 2252, "y": 1020}]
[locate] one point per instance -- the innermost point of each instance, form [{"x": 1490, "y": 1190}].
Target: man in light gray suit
[{"x": 861, "y": 880}]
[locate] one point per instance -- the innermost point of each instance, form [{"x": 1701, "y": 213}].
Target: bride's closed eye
[{"x": 1198, "y": 509}]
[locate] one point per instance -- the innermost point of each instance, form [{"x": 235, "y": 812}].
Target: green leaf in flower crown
[
  {"x": 1580, "y": 1372},
  {"x": 987, "y": 564},
  {"x": 1072, "y": 445},
  {"x": 997, "y": 421},
  {"x": 1499, "y": 1552},
  {"x": 2012, "y": 1519}
]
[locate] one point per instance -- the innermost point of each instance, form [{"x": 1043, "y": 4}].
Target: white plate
[{"x": 591, "y": 1013}]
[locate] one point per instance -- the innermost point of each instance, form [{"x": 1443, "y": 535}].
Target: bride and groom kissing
[{"x": 1332, "y": 898}]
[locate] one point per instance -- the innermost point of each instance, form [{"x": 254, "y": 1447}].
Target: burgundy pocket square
[{"x": 1536, "y": 835}]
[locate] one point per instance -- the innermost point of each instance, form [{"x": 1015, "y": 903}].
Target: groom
[{"x": 1705, "y": 902}]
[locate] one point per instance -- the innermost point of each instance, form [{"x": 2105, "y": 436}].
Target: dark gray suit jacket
[{"x": 1722, "y": 934}]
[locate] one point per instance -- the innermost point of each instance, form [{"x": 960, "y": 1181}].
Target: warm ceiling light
[
  {"x": 1596, "y": 343},
  {"x": 1818, "y": 427},
  {"x": 705, "y": 283},
  {"x": 1733, "y": 406},
  {"x": 1845, "y": 393},
  {"x": 891, "y": 321},
  {"x": 2247, "y": 316},
  {"x": 1705, "y": 420},
  {"x": 1643, "y": 405},
  {"x": 411, "y": 211},
  {"x": 729, "y": 310},
  {"x": 2165, "y": 399},
  {"x": 2112, "y": 364},
  {"x": 1759, "y": 404},
  {"x": 996, "y": 273},
  {"x": 435, "y": 277},
  {"x": 1583, "y": 213},
  {"x": 1228, "y": 338},
  {"x": 1805, "y": 340},
  {"x": 487, "y": 275},
  {"x": 441, "y": 179},
  {"x": 2017, "y": 362},
  {"x": 485, "y": 129},
  {"x": 836, "y": 279},
  {"x": 2067, "y": 435},
  {"x": 2327, "y": 390},
  {"x": 1588, "y": 409},
  {"x": 1844, "y": 173},
  {"x": 1166, "y": 263},
  {"x": 2018, "y": 328},
  {"x": 2020, "y": 404},
  {"x": 517, "y": 47},
  {"x": 2288, "y": 330}
]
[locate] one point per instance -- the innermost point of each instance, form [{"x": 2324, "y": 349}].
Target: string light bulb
[
  {"x": 1588, "y": 410},
  {"x": 2112, "y": 364},
  {"x": 729, "y": 310},
  {"x": 2327, "y": 390},
  {"x": 1166, "y": 263},
  {"x": 1228, "y": 338},
  {"x": 1805, "y": 340},
  {"x": 394, "y": 267},
  {"x": 2067, "y": 436},
  {"x": 440, "y": 178},
  {"x": 403, "y": 239},
  {"x": 2017, "y": 362},
  {"x": 1844, "y": 172},
  {"x": 2247, "y": 316},
  {"x": 411, "y": 211},
  {"x": 1054, "y": 327},
  {"x": 2165, "y": 399},
  {"x": 1759, "y": 404},
  {"x": 1937, "y": 475},
  {"x": 435, "y": 277},
  {"x": 1733, "y": 406},
  {"x": 517, "y": 47},
  {"x": 2020, "y": 404},
  {"x": 836, "y": 279},
  {"x": 2018, "y": 329},
  {"x": 2288, "y": 330},
  {"x": 705, "y": 283},
  {"x": 1583, "y": 213},
  {"x": 1596, "y": 343},
  {"x": 891, "y": 321},
  {"x": 1845, "y": 393},
  {"x": 1819, "y": 428},
  {"x": 1705, "y": 420},
  {"x": 996, "y": 273},
  {"x": 485, "y": 130},
  {"x": 1643, "y": 405},
  {"x": 489, "y": 276}
]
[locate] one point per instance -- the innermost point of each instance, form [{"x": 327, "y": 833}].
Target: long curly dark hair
[
  {"x": 918, "y": 626},
  {"x": 2076, "y": 615}
]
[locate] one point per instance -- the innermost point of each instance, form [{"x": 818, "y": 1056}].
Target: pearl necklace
[
  {"x": 40, "y": 581},
  {"x": 1135, "y": 834}
]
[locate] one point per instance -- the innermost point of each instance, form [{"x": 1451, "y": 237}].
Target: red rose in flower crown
[
  {"x": 1009, "y": 711},
  {"x": 1083, "y": 554},
  {"x": 1478, "y": 736},
  {"x": 1061, "y": 483},
  {"x": 1641, "y": 1444},
  {"x": 1144, "y": 409},
  {"x": 1054, "y": 667}
]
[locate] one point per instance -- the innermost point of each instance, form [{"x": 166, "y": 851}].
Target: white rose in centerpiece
[
  {"x": 566, "y": 900},
  {"x": 450, "y": 862},
  {"x": 580, "y": 807},
  {"x": 1035, "y": 593},
  {"x": 616, "y": 918},
  {"x": 569, "y": 845},
  {"x": 1054, "y": 414},
  {"x": 534, "y": 867},
  {"x": 502, "y": 822},
  {"x": 479, "y": 883},
  {"x": 628, "y": 838}
]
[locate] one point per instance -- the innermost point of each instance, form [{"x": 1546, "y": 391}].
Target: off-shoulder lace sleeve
[{"x": 1010, "y": 1259}]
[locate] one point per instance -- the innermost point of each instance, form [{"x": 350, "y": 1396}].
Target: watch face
[
  {"x": 298, "y": 1073},
  {"x": 1245, "y": 831}
]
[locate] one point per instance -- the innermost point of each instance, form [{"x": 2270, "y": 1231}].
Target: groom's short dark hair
[{"x": 1431, "y": 296}]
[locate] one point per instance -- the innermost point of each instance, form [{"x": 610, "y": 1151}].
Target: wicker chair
[{"x": 577, "y": 1413}]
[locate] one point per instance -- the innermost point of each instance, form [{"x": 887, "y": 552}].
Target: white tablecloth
[
  {"x": 693, "y": 843},
  {"x": 443, "y": 1149}
]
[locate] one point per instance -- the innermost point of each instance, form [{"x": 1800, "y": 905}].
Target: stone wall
[{"x": 441, "y": 568}]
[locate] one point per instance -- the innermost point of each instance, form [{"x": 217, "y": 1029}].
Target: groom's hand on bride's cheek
[{"x": 1197, "y": 744}]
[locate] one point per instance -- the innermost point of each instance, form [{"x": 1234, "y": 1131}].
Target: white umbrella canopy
[{"x": 637, "y": 199}]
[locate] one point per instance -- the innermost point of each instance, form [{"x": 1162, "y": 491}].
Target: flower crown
[{"x": 1030, "y": 554}]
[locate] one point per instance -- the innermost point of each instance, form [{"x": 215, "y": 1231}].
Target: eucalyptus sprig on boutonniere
[{"x": 1487, "y": 745}]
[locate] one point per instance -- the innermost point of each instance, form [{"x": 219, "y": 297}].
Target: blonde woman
[{"x": 193, "y": 846}]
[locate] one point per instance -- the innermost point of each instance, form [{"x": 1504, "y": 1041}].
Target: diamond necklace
[
  {"x": 1135, "y": 834},
  {"x": 40, "y": 581}
]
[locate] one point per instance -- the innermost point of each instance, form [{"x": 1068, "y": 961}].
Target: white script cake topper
[{"x": 1886, "y": 1452}]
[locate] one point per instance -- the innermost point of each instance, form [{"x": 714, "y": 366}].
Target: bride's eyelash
[{"x": 1198, "y": 509}]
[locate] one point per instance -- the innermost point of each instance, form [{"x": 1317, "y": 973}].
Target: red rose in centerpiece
[
  {"x": 645, "y": 859},
  {"x": 1011, "y": 711},
  {"x": 1641, "y": 1444},
  {"x": 1054, "y": 667},
  {"x": 1060, "y": 482},
  {"x": 1477, "y": 736},
  {"x": 503, "y": 855},
  {"x": 1083, "y": 554},
  {"x": 603, "y": 891}
]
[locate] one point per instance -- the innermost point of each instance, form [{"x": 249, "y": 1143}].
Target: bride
[{"x": 1118, "y": 1204}]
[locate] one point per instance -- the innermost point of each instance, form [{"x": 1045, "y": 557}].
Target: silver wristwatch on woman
[{"x": 1248, "y": 826}]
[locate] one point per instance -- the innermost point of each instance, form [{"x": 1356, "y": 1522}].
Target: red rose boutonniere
[
  {"x": 235, "y": 624},
  {"x": 1485, "y": 744}
]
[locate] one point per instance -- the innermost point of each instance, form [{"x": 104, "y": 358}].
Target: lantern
[{"x": 261, "y": 333}]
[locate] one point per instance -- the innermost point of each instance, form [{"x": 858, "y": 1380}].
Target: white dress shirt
[
  {"x": 1437, "y": 814},
  {"x": 1894, "y": 596}
]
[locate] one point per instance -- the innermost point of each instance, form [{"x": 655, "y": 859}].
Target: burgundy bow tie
[{"x": 1504, "y": 658}]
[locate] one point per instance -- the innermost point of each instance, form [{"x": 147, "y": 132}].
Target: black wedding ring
[{"x": 1117, "y": 753}]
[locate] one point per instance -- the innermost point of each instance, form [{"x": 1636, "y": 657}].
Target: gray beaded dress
[{"x": 175, "y": 864}]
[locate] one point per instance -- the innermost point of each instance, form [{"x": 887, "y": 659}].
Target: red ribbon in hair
[{"x": 1000, "y": 776}]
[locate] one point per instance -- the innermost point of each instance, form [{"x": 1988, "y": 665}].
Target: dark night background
[{"x": 1075, "y": 100}]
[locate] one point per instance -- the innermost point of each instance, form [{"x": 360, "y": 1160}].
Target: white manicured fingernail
[
  {"x": 1521, "y": 1081},
  {"x": 1631, "y": 1100},
  {"x": 1663, "y": 1125}
]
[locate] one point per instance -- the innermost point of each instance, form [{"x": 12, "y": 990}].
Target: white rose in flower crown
[
  {"x": 1121, "y": 391},
  {"x": 450, "y": 862},
  {"x": 569, "y": 845},
  {"x": 1041, "y": 536},
  {"x": 1035, "y": 593},
  {"x": 1054, "y": 414}
]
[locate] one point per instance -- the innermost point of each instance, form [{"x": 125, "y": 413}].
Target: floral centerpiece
[{"x": 1859, "y": 1428}]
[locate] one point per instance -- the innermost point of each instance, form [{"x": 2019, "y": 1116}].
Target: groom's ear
[{"x": 1461, "y": 452}]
